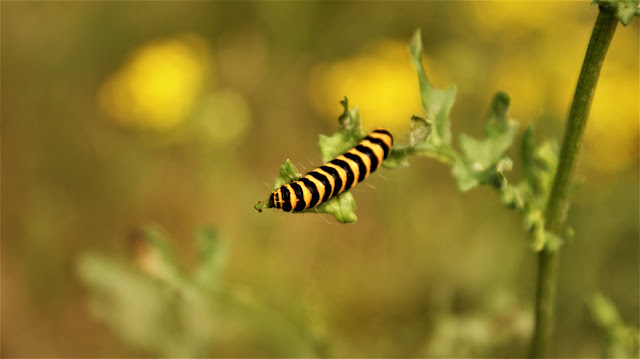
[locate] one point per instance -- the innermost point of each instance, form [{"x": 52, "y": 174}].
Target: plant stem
[{"x": 558, "y": 204}]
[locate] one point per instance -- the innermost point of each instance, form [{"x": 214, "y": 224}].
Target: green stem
[{"x": 558, "y": 204}]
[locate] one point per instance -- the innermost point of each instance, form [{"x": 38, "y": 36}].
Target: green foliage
[
  {"x": 342, "y": 207},
  {"x": 623, "y": 341},
  {"x": 288, "y": 174},
  {"x": 539, "y": 168},
  {"x": 436, "y": 103},
  {"x": 212, "y": 254},
  {"x": 480, "y": 161},
  {"x": 155, "y": 306},
  {"x": 624, "y": 10},
  {"x": 347, "y": 136},
  {"x": 484, "y": 161}
]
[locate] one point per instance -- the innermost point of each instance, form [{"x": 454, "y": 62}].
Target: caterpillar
[{"x": 335, "y": 176}]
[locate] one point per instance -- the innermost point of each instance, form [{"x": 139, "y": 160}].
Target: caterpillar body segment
[{"x": 335, "y": 176}]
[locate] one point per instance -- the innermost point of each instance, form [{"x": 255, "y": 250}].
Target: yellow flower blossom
[
  {"x": 381, "y": 82},
  {"x": 158, "y": 87}
]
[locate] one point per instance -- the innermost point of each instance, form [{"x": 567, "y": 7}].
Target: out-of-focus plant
[
  {"x": 623, "y": 340},
  {"x": 500, "y": 324},
  {"x": 153, "y": 305},
  {"x": 156, "y": 307},
  {"x": 542, "y": 196}
]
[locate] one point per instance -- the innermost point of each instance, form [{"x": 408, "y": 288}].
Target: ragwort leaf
[
  {"x": 436, "y": 103},
  {"x": 483, "y": 160},
  {"x": 348, "y": 136}
]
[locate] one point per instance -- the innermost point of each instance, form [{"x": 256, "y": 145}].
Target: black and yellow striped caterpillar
[{"x": 336, "y": 176}]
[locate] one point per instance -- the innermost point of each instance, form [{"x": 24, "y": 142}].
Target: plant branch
[{"x": 558, "y": 204}]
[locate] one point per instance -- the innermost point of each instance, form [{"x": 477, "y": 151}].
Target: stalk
[{"x": 558, "y": 203}]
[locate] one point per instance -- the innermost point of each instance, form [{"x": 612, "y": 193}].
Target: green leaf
[
  {"x": 622, "y": 340},
  {"x": 546, "y": 157},
  {"x": 552, "y": 241},
  {"x": 397, "y": 158},
  {"x": 539, "y": 165},
  {"x": 167, "y": 318},
  {"x": 213, "y": 254},
  {"x": 155, "y": 256},
  {"x": 342, "y": 207},
  {"x": 436, "y": 103},
  {"x": 624, "y": 10},
  {"x": 514, "y": 197},
  {"x": 534, "y": 222},
  {"x": 336, "y": 144},
  {"x": 465, "y": 177},
  {"x": 498, "y": 121},
  {"x": 350, "y": 119},
  {"x": 133, "y": 304},
  {"x": 604, "y": 313},
  {"x": 419, "y": 131},
  {"x": 348, "y": 136},
  {"x": 418, "y": 142},
  {"x": 540, "y": 238},
  {"x": 288, "y": 174},
  {"x": 499, "y": 134},
  {"x": 483, "y": 160}
]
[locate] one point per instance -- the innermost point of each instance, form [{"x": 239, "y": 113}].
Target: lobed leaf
[
  {"x": 622, "y": 340},
  {"x": 347, "y": 136},
  {"x": 397, "y": 158},
  {"x": 342, "y": 208},
  {"x": 150, "y": 311},
  {"x": 419, "y": 131},
  {"x": 288, "y": 174},
  {"x": 436, "y": 103},
  {"x": 483, "y": 161},
  {"x": 130, "y": 302}
]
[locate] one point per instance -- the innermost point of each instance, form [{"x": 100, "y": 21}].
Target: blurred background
[{"x": 121, "y": 115}]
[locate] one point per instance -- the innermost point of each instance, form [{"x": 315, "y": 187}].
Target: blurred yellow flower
[
  {"x": 158, "y": 87},
  {"x": 381, "y": 82}
]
